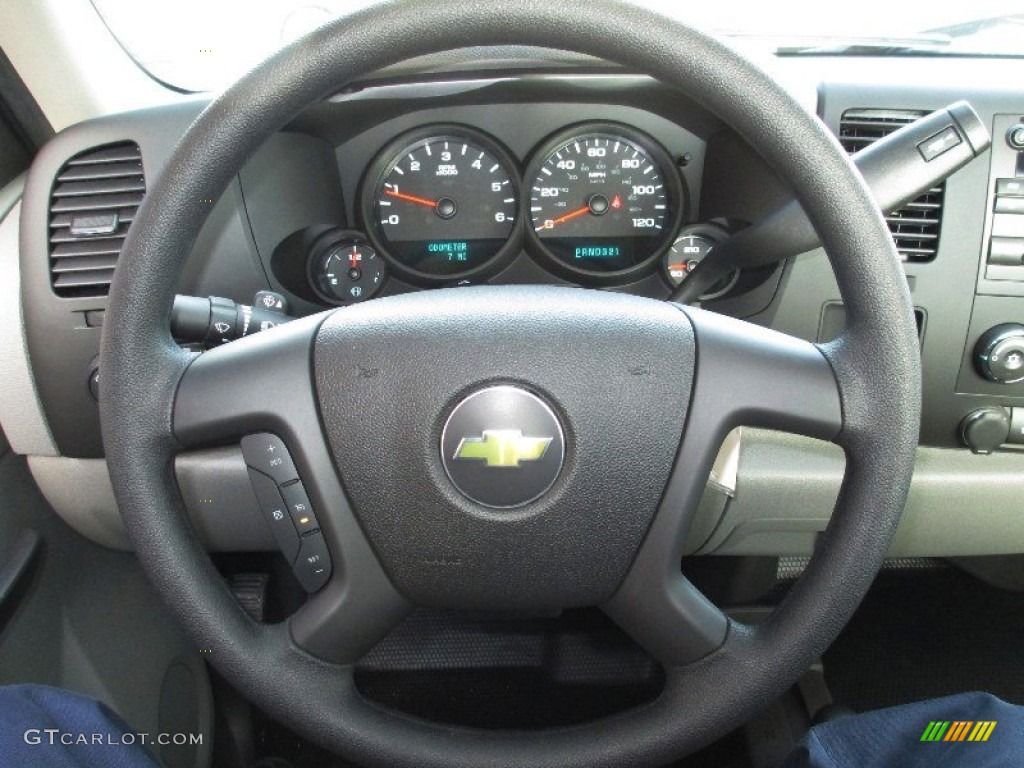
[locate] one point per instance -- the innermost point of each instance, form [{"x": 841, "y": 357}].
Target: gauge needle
[
  {"x": 570, "y": 215},
  {"x": 410, "y": 198}
]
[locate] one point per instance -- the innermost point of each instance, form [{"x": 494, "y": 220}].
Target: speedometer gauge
[
  {"x": 604, "y": 201},
  {"x": 442, "y": 202}
]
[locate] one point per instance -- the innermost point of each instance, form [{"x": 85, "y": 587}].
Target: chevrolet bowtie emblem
[{"x": 503, "y": 447}]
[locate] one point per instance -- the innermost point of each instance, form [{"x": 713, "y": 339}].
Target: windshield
[{"x": 167, "y": 39}]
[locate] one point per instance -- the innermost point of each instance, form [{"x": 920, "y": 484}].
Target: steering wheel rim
[{"x": 875, "y": 366}]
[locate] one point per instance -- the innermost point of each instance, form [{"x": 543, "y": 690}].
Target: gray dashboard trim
[
  {"x": 214, "y": 484},
  {"x": 21, "y": 413},
  {"x": 10, "y": 195},
  {"x": 79, "y": 491},
  {"x": 960, "y": 504},
  {"x": 785, "y": 487}
]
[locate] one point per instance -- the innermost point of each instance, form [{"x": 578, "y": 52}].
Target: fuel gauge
[{"x": 349, "y": 271}]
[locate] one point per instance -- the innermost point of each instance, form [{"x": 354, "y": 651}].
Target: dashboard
[
  {"x": 539, "y": 169},
  {"x": 528, "y": 187}
]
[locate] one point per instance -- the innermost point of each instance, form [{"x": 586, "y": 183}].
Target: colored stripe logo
[{"x": 958, "y": 730}]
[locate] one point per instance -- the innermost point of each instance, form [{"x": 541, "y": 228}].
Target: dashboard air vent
[
  {"x": 915, "y": 228},
  {"x": 94, "y": 200}
]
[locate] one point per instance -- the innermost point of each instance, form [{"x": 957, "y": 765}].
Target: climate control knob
[{"x": 999, "y": 353}]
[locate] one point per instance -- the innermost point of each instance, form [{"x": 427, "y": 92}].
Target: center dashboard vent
[
  {"x": 915, "y": 227},
  {"x": 94, "y": 200}
]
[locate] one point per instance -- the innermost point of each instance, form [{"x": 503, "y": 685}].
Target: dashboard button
[
  {"x": 1010, "y": 205},
  {"x": 1007, "y": 251},
  {"x": 1015, "y": 137},
  {"x": 1016, "y": 426},
  {"x": 276, "y": 512},
  {"x": 313, "y": 566},
  {"x": 1009, "y": 225},
  {"x": 1010, "y": 187},
  {"x": 985, "y": 429},
  {"x": 999, "y": 353},
  {"x": 299, "y": 508},
  {"x": 268, "y": 454},
  {"x": 1006, "y": 360}
]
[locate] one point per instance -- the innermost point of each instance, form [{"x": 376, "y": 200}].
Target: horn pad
[{"x": 505, "y": 448}]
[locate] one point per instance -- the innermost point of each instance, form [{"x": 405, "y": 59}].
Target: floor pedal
[{"x": 250, "y": 590}]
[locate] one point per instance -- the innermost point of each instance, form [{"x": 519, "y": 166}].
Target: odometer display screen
[
  {"x": 601, "y": 202},
  {"x": 444, "y": 205}
]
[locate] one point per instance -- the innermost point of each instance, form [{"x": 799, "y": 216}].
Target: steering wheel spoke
[
  {"x": 262, "y": 383},
  {"x": 260, "y": 391},
  {"x": 746, "y": 376}
]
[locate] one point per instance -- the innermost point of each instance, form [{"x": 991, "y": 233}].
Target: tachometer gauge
[
  {"x": 442, "y": 202},
  {"x": 604, "y": 202}
]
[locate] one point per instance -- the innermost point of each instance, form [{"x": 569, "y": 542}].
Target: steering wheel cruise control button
[
  {"x": 313, "y": 565},
  {"x": 268, "y": 454},
  {"x": 289, "y": 512},
  {"x": 274, "y": 508},
  {"x": 299, "y": 508},
  {"x": 503, "y": 447}
]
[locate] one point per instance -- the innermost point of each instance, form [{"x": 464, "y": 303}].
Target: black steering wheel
[{"x": 637, "y": 394}]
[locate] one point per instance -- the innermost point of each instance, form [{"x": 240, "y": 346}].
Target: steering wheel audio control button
[
  {"x": 276, "y": 512},
  {"x": 313, "y": 565},
  {"x": 299, "y": 508},
  {"x": 268, "y": 454}
]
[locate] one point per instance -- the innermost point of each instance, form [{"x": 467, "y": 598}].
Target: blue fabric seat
[
  {"x": 51, "y": 728},
  {"x": 936, "y": 733}
]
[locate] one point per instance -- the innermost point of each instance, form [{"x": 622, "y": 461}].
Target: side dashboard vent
[
  {"x": 94, "y": 200},
  {"x": 915, "y": 228}
]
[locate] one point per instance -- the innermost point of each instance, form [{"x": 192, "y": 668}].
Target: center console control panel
[
  {"x": 1002, "y": 268},
  {"x": 992, "y": 369}
]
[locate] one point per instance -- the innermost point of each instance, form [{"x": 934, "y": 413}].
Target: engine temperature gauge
[
  {"x": 691, "y": 247},
  {"x": 349, "y": 271}
]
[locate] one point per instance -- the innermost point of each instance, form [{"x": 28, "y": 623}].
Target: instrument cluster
[{"x": 598, "y": 203}]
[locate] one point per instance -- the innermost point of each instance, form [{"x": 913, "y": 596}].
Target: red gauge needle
[
  {"x": 570, "y": 215},
  {"x": 411, "y": 198}
]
